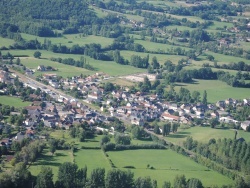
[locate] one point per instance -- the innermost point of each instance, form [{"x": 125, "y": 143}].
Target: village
[{"x": 63, "y": 111}]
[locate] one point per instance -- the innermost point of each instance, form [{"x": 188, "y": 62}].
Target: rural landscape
[{"x": 125, "y": 93}]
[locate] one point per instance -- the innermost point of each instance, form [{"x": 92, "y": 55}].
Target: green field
[
  {"x": 92, "y": 159},
  {"x": 216, "y": 90},
  {"x": 6, "y": 42},
  {"x": 52, "y": 161},
  {"x": 13, "y": 101},
  {"x": 204, "y": 134},
  {"x": 108, "y": 67},
  {"x": 167, "y": 164},
  {"x": 72, "y": 39}
]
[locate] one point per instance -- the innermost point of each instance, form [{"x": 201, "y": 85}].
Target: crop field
[
  {"x": 204, "y": 134},
  {"x": 72, "y": 39},
  {"x": 13, "y": 101},
  {"x": 167, "y": 164},
  {"x": 216, "y": 90}
]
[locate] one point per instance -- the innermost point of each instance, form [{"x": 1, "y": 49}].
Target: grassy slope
[
  {"x": 13, "y": 101},
  {"x": 167, "y": 165}
]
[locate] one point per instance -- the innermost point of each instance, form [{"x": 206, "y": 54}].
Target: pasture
[
  {"x": 72, "y": 39},
  {"x": 167, "y": 164},
  {"x": 13, "y": 101},
  {"x": 52, "y": 161},
  {"x": 109, "y": 67},
  {"x": 204, "y": 134},
  {"x": 216, "y": 90},
  {"x": 5, "y": 42}
]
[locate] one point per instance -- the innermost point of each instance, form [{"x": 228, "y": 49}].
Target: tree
[
  {"x": 213, "y": 122},
  {"x": 157, "y": 129},
  {"x": 143, "y": 182},
  {"x": 194, "y": 183},
  {"x": 204, "y": 99},
  {"x": 119, "y": 179},
  {"x": 97, "y": 178},
  {"x": 69, "y": 176},
  {"x": 196, "y": 96},
  {"x": 45, "y": 178},
  {"x": 122, "y": 139},
  {"x": 105, "y": 139},
  {"x": 180, "y": 181},
  {"x": 136, "y": 132},
  {"x": 166, "y": 184},
  {"x": 37, "y": 54}
]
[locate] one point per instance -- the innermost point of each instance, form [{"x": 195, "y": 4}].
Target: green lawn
[
  {"x": 167, "y": 164},
  {"x": 6, "y": 42},
  {"x": 216, "y": 90},
  {"x": 204, "y": 134},
  {"x": 13, "y": 101}
]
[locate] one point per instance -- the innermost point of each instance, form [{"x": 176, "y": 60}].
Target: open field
[
  {"x": 162, "y": 58},
  {"x": 153, "y": 46},
  {"x": 204, "y": 134},
  {"x": 221, "y": 58},
  {"x": 167, "y": 165},
  {"x": 13, "y": 101},
  {"x": 92, "y": 159},
  {"x": 5, "y": 42},
  {"x": 121, "y": 82},
  {"x": 108, "y": 67},
  {"x": 72, "y": 39},
  {"x": 59, "y": 157},
  {"x": 216, "y": 90}
]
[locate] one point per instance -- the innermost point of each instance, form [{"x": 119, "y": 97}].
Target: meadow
[
  {"x": 167, "y": 164},
  {"x": 109, "y": 67},
  {"x": 216, "y": 90},
  {"x": 13, "y": 101},
  {"x": 204, "y": 134},
  {"x": 72, "y": 39}
]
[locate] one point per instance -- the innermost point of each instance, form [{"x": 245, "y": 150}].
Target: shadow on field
[
  {"x": 48, "y": 160},
  {"x": 179, "y": 135}
]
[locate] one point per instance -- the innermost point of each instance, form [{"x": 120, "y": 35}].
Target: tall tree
[
  {"x": 204, "y": 99},
  {"x": 45, "y": 178},
  {"x": 119, "y": 179},
  {"x": 97, "y": 178}
]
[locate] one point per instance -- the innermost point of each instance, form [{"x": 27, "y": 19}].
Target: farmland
[{"x": 166, "y": 167}]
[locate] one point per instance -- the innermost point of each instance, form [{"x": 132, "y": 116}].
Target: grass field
[
  {"x": 59, "y": 157},
  {"x": 6, "y": 42},
  {"x": 108, "y": 67},
  {"x": 216, "y": 90},
  {"x": 13, "y": 101},
  {"x": 204, "y": 134},
  {"x": 72, "y": 39},
  {"x": 167, "y": 165},
  {"x": 162, "y": 58},
  {"x": 92, "y": 159}
]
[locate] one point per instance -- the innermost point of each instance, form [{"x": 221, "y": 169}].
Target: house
[
  {"x": 224, "y": 42},
  {"x": 169, "y": 117},
  {"x": 245, "y": 124},
  {"x": 41, "y": 68},
  {"x": 137, "y": 121},
  {"x": 3, "y": 76}
]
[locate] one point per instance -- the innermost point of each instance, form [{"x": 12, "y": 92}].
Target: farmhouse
[
  {"x": 169, "y": 117},
  {"x": 245, "y": 124}
]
